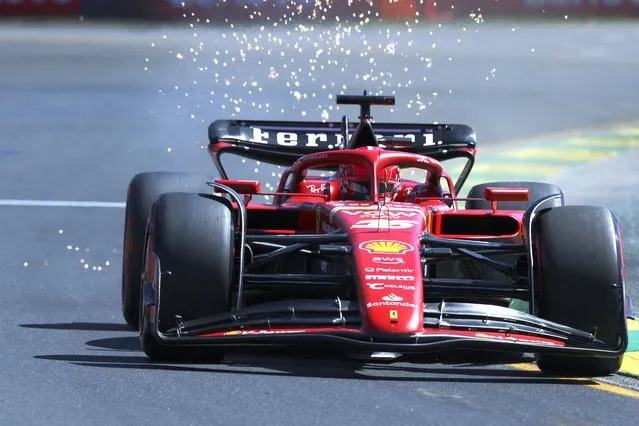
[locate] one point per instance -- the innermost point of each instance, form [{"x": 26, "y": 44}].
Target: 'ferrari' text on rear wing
[
  {"x": 308, "y": 137},
  {"x": 283, "y": 142}
]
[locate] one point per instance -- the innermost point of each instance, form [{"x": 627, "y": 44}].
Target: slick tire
[
  {"x": 143, "y": 189},
  {"x": 536, "y": 191},
  {"x": 578, "y": 275},
  {"x": 189, "y": 261}
]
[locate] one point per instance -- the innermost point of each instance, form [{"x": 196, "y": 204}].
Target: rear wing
[{"x": 283, "y": 142}]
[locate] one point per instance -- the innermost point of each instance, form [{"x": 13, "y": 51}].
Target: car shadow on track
[
  {"x": 81, "y": 326},
  {"x": 318, "y": 365},
  {"x": 326, "y": 368},
  {"x": 479, "y": 367}
]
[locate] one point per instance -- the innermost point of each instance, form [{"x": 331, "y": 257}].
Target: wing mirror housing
[
  {"x": 248, "y": 188},
  {"x": 496, "y": 195},
  {"x": 244, "y": 187}
]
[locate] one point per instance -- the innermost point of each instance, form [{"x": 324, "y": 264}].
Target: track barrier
[{"x": 261, "y": 11}]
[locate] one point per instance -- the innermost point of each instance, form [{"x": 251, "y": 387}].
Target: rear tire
[
  {"x": 536, "y": 191},
  {"x": 192, "y": 236},
  {"x": 143, "y": 189},
  {"x": 579, "y": 280}
]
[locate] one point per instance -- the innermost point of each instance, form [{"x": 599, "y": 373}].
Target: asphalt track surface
[{"x": 79, "y": 116}]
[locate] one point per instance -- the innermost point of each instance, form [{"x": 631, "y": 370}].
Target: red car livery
[{"x": 366, "y": 246}]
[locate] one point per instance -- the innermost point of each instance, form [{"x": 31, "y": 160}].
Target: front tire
[
  {"x": 192, "y": 239},
  {"x": 142, "y": 191},
  {"x": 580, "y": 283}
]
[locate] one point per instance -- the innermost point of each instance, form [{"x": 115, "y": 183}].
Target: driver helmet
[{"x": 355, "y": 183}]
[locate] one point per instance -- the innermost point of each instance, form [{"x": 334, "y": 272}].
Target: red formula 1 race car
[{"x": 364, "y": 246}]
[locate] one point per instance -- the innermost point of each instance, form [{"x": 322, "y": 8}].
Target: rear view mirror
[
  {"x": 245, "y": 187},
  {"x": 495, "y": 195}
]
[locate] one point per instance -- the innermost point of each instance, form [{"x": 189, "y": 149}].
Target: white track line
[{"x": 60, "y": 203}]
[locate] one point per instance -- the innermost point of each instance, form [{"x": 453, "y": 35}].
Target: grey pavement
[{"x": 79, "y": 115}]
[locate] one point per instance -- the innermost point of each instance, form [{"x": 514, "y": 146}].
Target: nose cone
[
  {"x": 385, "y": 243},
  {"x": 391, "y": 294}
]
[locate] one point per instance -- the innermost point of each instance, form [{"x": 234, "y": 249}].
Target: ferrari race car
[{"x": 364, "y": 246}]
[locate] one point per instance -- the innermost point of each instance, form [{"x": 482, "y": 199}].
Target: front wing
[
  {"x": 335, "y": 322},
  {"x": 447, "y": 327}
]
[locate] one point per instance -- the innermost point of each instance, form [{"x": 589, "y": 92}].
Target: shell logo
[{"x": 386, "y": 247}]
